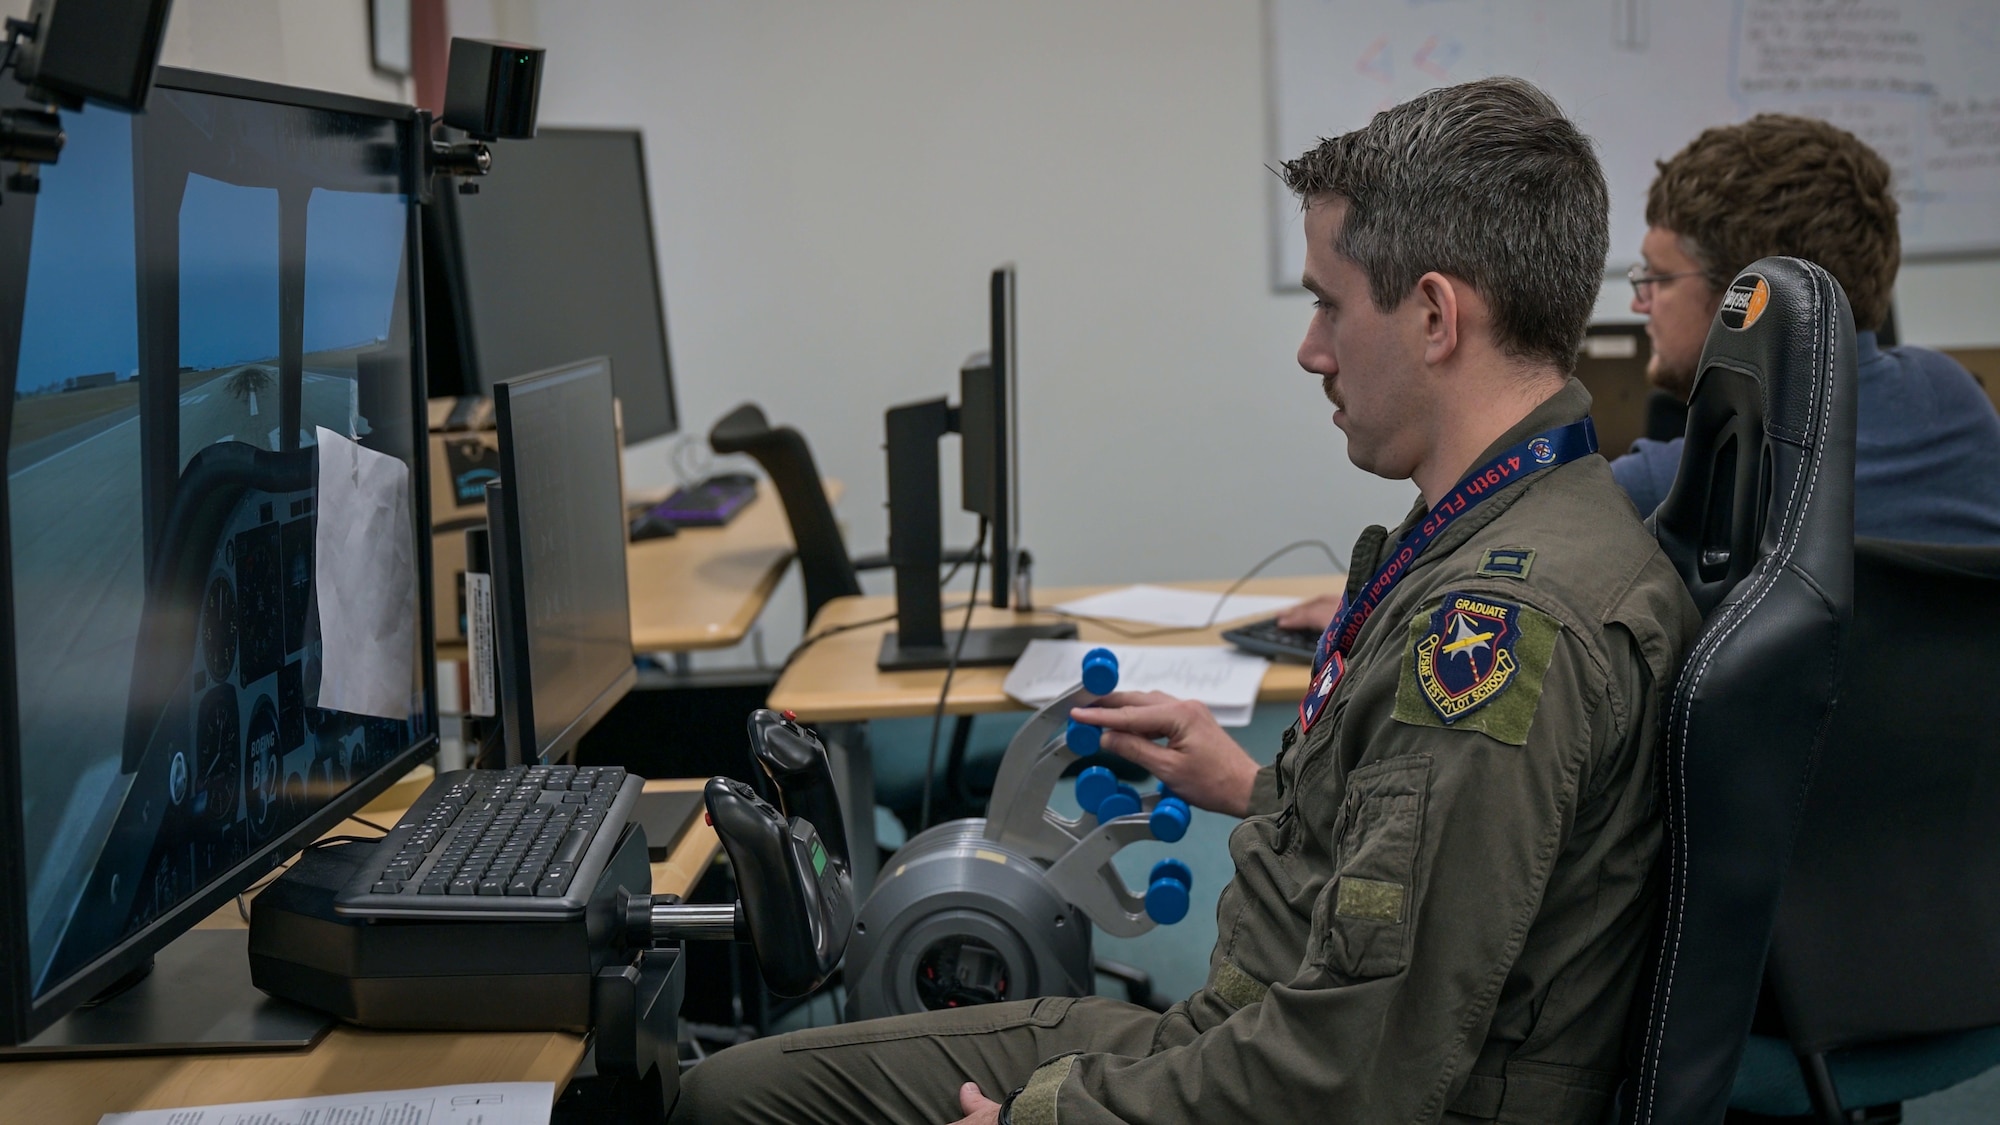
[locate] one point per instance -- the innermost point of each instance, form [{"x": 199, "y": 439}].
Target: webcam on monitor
[
  {"x": 68, "y": 52},
  {"x": 490, "y": 93}
]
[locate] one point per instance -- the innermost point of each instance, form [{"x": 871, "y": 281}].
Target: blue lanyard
[{"x": 1543, "y": 451}]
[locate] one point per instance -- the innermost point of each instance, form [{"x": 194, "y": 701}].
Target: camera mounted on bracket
[
  {"x": 491, "y": 92},
  {"x": 102, "y": 51}
]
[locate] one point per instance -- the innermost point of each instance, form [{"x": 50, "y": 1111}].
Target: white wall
[
  {"x": 831, "y": 185},
  {"x": 318, "y": 44}
]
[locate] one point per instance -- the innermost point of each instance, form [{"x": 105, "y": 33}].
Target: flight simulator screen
[{"x": 214, "y": 356}]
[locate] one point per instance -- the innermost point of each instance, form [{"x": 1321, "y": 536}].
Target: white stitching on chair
[{"x": 1767, "y": 568}]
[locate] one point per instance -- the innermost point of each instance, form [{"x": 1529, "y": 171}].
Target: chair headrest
[
  {"x": 1758, "y": 464},
  {"x": 738, "y": 429}
]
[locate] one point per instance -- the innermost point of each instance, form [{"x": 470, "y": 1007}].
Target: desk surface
[
  {"x": 700, "y": 589},
  {"x": 348, "y": 1060},
  {"x": 704, "y": 587},
  {"x": 835, "y": 680}
]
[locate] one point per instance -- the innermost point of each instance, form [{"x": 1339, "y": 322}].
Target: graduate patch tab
[
  {"x": 1468, "y": 656},
  {"x": 1476, "y": 662}
]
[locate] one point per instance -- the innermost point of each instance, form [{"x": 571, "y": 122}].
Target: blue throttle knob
[
  {"x": 1083, "y": 738},
  {"x": 1093, "y": 785},
  {"x": 1167, "y": 891},
  {"x": 1170, "y": 819},
  {"x": 1100, "y": 671},
  {"x": 1124, "y": 802}
]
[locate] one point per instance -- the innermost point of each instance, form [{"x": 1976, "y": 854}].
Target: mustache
[{"x": 1329, "y": 388}]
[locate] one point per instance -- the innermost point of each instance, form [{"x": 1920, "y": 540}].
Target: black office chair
[
  {"x": 824, "y": 563},
  {"x": 829, "y": 571},
  {"x": 1882, "y": 978},
  {"x": 1760, "y": 524}
]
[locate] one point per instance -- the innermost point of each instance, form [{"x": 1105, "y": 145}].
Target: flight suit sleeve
[
  {"x": 1444, "y": 843},
  {"x": 1264, "y": 791}
]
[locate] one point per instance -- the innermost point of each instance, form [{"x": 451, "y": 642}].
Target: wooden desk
[
  {"x": 835, "y": 680},
  {"x": 348, "y": 1060},
  {"x": 700, "y": 589}
]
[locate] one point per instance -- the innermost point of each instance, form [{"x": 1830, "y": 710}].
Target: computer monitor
[
  {"x": 985, "y": 420},
  {"x": 989, "y": 465},
  {"x": 556, "y": 519},
  {"x": 214, "y": 598},
  {"x": 553, "y": 259}
]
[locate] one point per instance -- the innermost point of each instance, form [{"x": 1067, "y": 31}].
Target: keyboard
[
  {"x": 709, "y": 503},
  {"x": 1264, "y": 638},
  {"x": 526, "y": 842}
]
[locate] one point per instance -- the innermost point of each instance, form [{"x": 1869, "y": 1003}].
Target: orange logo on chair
[{"x": 1745, "y": 302}]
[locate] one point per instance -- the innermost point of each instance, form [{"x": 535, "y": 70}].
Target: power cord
[
  {"x": 1112, "y": 626},
  {"x": 812, "y": 639},
  {"x": 951, "y": 669}
]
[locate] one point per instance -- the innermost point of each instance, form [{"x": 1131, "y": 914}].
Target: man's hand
[
  {"x": 1313, "y": 615},
  {"x": 977, "y": 1108},
  {"x": 1199, "y": 762}
]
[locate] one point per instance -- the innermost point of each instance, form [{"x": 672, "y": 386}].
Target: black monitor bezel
[
  {"x": 22, "y": 1014},
  {"x": 449, "y": 247},
  {"x": 513, "y": 672}
]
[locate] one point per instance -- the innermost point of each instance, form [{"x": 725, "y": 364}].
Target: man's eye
[{"x": 1321, "y": 304}]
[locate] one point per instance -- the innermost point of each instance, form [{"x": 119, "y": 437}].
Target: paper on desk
[
  {"x": 498, "y": 1103},
  {"x": 1221, "y": 677},
  {"x": 364, "y": 579},
  {"x": 1179, "y": 609}
]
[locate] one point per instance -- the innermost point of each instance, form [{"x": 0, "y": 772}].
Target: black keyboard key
[
  {"x": 575, "y": 798},
  {"x": 388, "y": 887},
  {"x": 493, "y": 885},
  {"x": 572, "y": 847},
  {"x": 521, "y": 885},
  {"x": 463, "y": 885}
]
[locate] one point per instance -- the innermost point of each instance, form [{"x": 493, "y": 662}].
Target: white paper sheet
[
  {"x": 1221, "y": 677},
  {"x": 498, "y": 1103},
  {"x": 1180, "y": 609},
  {"x": 365, "y": 580}
]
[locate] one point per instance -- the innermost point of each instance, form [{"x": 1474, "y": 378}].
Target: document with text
[
  {"x": 496, "y": 1103},
  {"x": 1224, "y": 679}
]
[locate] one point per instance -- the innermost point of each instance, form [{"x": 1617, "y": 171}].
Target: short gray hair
[{"x": 1485, "y": 181}]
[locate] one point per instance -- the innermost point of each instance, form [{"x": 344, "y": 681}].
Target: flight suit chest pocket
[{"x": 1363, "y": 921}]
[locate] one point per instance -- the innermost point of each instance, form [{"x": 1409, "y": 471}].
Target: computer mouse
[{"x": 650, "y": 526}]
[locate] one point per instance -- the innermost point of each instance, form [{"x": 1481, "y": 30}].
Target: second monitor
[
  {"x": 985, "y": 421},
  {"x": 557, "y": 521}
]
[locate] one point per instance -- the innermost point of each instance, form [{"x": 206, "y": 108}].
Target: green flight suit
[{"x": 1441, "y": 902}]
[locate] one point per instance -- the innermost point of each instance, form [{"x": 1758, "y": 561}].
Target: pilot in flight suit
[{"x": 1444, "y": 889}]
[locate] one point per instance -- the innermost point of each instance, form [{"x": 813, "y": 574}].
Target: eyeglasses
[{"x": 1642, "y": 282}]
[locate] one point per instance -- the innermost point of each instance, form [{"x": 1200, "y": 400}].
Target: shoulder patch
[
  {"x": 1506, "y": 562},
  {"x": 1476, "y": 662}
]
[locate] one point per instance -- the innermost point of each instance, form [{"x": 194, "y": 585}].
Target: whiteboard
[{"x": 1919, "y": 80}]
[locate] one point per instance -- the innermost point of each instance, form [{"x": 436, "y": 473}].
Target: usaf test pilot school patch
[{"x": 1476, "y": 662}]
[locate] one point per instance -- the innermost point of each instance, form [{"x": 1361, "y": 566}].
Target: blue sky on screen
[
  {"x": 354, "y": 254},
  {"x": 229, "y": 273},
  {"x": 81, "y": 314}
]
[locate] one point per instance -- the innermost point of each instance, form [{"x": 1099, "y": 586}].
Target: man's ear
[{"x": 1437, "y": 300}]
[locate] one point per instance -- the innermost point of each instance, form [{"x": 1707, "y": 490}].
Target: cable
[
  {"x": 950, "y": 669},
  {"x": 1111, "y": 625},
  {"x": 812, "y": 639}
]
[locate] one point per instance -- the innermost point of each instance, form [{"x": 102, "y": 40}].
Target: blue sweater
[{"x": 1926, "y": 451}]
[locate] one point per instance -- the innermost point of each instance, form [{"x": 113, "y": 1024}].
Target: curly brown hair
[{"x": 1778, "y": 184}]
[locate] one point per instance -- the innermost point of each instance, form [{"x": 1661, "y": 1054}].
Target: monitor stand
[
  {"x": 198, "y": 997},
  {"x": 989, "y": 647}
]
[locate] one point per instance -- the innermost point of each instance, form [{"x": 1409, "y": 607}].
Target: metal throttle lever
[
  {"x": 793, "y": 773},
  {"x": 795, "y": 903}
]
